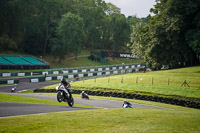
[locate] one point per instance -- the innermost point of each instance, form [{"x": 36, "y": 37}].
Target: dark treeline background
[
  {"x": 61, "y": 26},
  {"x": 171, "y": 36},
  {"x": 58, "y": 27}
]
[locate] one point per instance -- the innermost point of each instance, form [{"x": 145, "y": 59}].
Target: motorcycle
[
  {"x": 13, "y": 90},
  {"x": 127, "y": 106},
  {"x": 64, "y": 94},
  {"x": 84, "y": 95}
]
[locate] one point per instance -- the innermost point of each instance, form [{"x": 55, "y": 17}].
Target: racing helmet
[
  {"x": 63, "y": 79},
  {"x": 125, "y": 101}
]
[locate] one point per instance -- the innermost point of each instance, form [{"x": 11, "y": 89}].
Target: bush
[{"x": 7, "y": 43}]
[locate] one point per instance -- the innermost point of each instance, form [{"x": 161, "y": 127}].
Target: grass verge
[
  {"x": 180, "y": 119},
  {"x": 107, "y": 120},
  {"x": 20, "y": 99}
]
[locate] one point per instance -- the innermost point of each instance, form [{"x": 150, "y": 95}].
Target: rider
[
  {"x": 13, "y": 89},
  {"x": 83, "y": 94},
  {"x": 66, "y": 84},
  {"x": 126, "y": 104}
]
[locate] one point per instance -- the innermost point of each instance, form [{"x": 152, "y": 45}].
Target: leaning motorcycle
[
  {"x": 126, "y": 106},
  {"x": 64, "y": 94},
  {"x": 84, "y": 96}
]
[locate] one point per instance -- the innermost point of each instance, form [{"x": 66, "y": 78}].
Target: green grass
[
  {"x": 144, "y": 84},
  {"x": 108, "y": 121},
  {"x": 84, "y": 61},
  {"x": 179, "y": 119},
  {"x": 20, "y": 99},
  {"x": 71, "y": 62}
]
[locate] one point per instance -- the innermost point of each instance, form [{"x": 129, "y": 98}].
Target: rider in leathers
[{"x": 66, "y": 84}]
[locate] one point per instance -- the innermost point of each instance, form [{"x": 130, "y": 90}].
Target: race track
[{"x": 14, "y": 109}]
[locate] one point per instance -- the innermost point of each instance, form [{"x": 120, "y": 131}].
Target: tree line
[
  {"x": 170, "y": 37},
  {"x": 61, "y": 26}
]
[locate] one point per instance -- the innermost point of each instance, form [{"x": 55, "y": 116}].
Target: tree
[
  {"x": 92, "y": 11},
  {"x": 112, "y": 9},
  {"x": 120, "y": 31},
  {"x": 50, "y": 11},
  {"x": 171, "y": 36},
  {"x": 71, "y": 33},
  {"x": 193, "y": 35},
  {"x": 31, "y": 25},
  {"x": 57, "y": 49},
  {"x": 107, "y": 29},
  {"x": 137, "y": 37},
  {"x": 40, "y": 18}
]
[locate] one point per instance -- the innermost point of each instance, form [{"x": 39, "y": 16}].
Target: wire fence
[{"x": 149, "y": 81}]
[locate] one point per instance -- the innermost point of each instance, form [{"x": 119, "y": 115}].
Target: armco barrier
[
  {"x": 9, "y": 81},
  {"x": 71, "y": 73},
  {"x": 189, "y": 104},
  {"x": 74, "y": 70},
  {"x": 81, "y": 75},
  {"x": 19, "y": 74}
]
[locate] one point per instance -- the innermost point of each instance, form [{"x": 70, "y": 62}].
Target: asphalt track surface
[{"x": 16, "y": 109}]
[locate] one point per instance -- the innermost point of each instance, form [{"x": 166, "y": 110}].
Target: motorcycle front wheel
[
  {"x": 86, "y": 97},
  {"x": 60, "y": 96},
  {"x": 70, "y": 102}
]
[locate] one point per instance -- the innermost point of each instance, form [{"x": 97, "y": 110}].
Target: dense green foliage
[
  {"x": 70, "y": 36},
  {"x": 171, "y": 37},
  {"x": 59, "y": 26}
]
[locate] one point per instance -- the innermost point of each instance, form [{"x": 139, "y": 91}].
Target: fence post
[
  {"x": 122, "y": 79},
  {"x": 168, "y": 81},
  {"x": 152, "y": 81},
  {"x": 136, "y": 80}
]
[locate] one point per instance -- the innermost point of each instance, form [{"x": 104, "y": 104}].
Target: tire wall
[{"x": 130, "y": 96}]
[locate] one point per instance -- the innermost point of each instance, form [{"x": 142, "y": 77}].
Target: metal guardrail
[
  {"x": 65, "y": 70},
  {"x": 55, "y": 74}
]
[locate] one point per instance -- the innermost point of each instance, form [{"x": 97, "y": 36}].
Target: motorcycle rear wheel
[
  {"x": 70, "y": 102},
  {"x": 87, "y": 97}
]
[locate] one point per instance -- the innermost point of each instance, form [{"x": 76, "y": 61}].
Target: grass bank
[
  {"x": 179, "y": 119},
  {"x": 166, "y": 83},
  {"x": 107, "y": 120}
]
